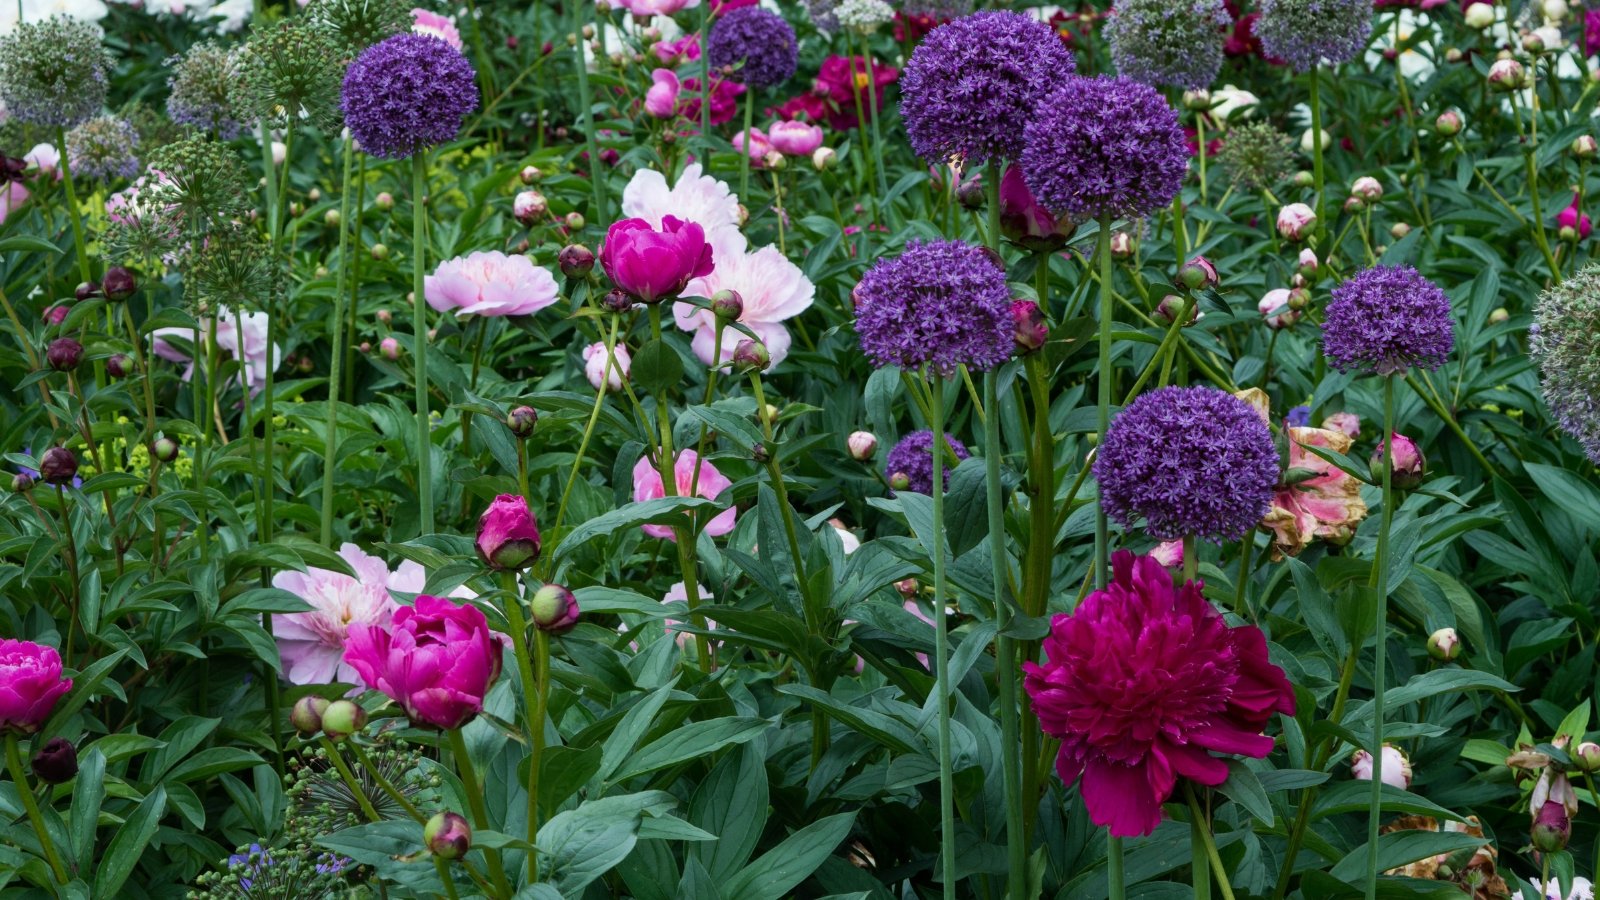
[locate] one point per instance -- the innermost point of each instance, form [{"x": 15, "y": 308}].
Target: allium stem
[
  {"x": 1316, "y": 151},
  {"x": 705, "y": 84},
  {"x": 586, "y": 101},
  {"x": 480, "y": 813},
  {"x": 336, "y": 365},
  {"x": 588, "y": 432},
  {"x": 1102, "y": 528},
  {"x": 533, "y": 704},
  {"x": 19, "y": 778},
  {"x": 1380, "y": 586},
  {"x": 941, "y": 659},
  {"x": 744, "y": 154},
  {"x": 384, "y": 783},
  {"x": 74, "y": 214},
  {"x": 419, "y": 345}
]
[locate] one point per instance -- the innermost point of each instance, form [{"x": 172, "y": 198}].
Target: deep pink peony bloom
[
  {"x": 673, "y": 52},
  {"x": 1026, "y": 221},
  {"x": 794, "y": 138},
  {"x": 1573, "y": 217},
  {"x": 311, "y": 643},
  {"x": 1144, "y": 682},
  {"x": 30, "y": 685},
  {"x": 437, "y": 660},
  {"x": 647, "y": 485},
  {"x": 661, "y": 100},
  {"x": 725, "y": 93},
  {"x": 757, "y": 145},
  {"x": 508, "y": 534},
  {"x": 655, "y": 265},
  {"x": 490, "y": 283}
]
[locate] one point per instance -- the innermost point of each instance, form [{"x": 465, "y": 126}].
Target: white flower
[
  {"x": 39, "y": 10},
  {"x": 1229, "y": 101},
  {"x": 772, "y": 288},
  {"x": 697, "y": 198},
  {"x": 253, "y": 357},
  {"x": 1582, "y": 889},
  {"x": 1415, "y": 61},
  {"x": 865, "y": 16}
]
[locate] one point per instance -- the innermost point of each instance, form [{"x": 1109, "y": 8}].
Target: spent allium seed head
[
  {"x": 200, "y": 180},
  {"x": 824, "y": 15},
  {"x": 1177, "y": 43},
  {"x": 864, "y": 16},
  {"x": 1565, "y": 342},
  {"x": 972, "y": 82},
  {"x": 408, "y": 93},
  {"x": 104, "y": 148},
  {"x": 230, "y": 268},
  {"x": 206, "y": 91},
  {"x": 53, "y": 73},
  {"x": 940, "y": 303},
  {"x": 1303, "y": 33},
  {"x": 913, "y": 458},
  {"x": 361, "y": 23},
  {"x": 1105, "y": 147},
  {"x": 757, "y": 43},
  {"x": 1187, "y": 460},
  {"x": 1385, "y": 320},
  {"x": 292, "y": 70},
  {"x": 1256, "y": 156}
]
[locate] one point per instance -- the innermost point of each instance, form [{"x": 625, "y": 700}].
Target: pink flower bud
[
  {"x": 508, "y": 535},
  {"x": 863, "y": 445},
  {"x": 390, "y": 348},
  {"x": 1367, "y": 188},
  {"x": 306, "y": 716},
  {"x": 1444, "y": 644},
  {"x": 447, "y": 835},
  {"x": 343, "y": 718},
  {"x": 1275, "y": 309},
  {"x": 1198, "y": 274},
  {"x": 554, "y": 609},
  {"x": 1506, "y": 75},
  {"x": 1448, "y": 124},
  {"x": 1408, "y": 463},
  {"x": 1346, "y": 422},
  {"x": 1396, "y": 767},
  {"x": 1295, "y": 221},
  {"x": 795, "y": 138},
  {"x": 1031, "y": 330},
  {"x": 529, "y": 207}
]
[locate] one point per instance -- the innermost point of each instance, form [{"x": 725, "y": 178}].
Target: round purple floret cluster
[
  {"x": 1303, "y": 33},
  {"x": 940, "y": 303},
  {"x": 407, "y": 93},
  {"x": 1171, "y": 42},
  {"x": 973, "y": 82},
  {"x": 1386, "y": 320},
  {"x": 913, "y": 457},
  {"x": 1187, "y": 460},
  {"x": 1105, "y": 146},
  {"x": 758, "y": 44}
]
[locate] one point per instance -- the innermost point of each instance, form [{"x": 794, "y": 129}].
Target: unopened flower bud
[
  {"x": 863, "y": 445},
  {"x": 64, "y": 354},
  {"x": 554, "y": 609},
  {"x": 1396, "y": 767},
  {"x": 58, "y": 466},
  {"x": 522, "y": 420},
  {"x": 1567, "y": 233},
  {"x": 1198, "y": 100},
  {"x": 164, "y": 449},
  {"x": 727, "y": 305},
  {"x": 1122, "y": 245},
  {"x": 21, "y": 483},
  {"x": 384, "y": 201},
  {"x": 1479, "y": 16},
  {"x": 899, "y": 481},
  {"x": 56, "y": 762},
  {"x": 575, "y": 260},
  {"x": 1354, "y": 205},
  {"x": 617, "y": 301},
  {"x": 1172, "y": 306},
  {"x": 86, "y": 290},
  {"x": 1453, "y": 55},
  {"x": 1444, "y": 644},
  {"x": 1296, "y": 222},
  {"x": 390, "y": 348},
  {"x": 119, "y": 284},
  {"x": 1399, "y": 230},
  {"x": 447, "y": 835},
  {"x": 1586, "y": 757},
  {"x": 751, "y": 356},
  {"x": 1584, "y": 146},
  {"x": 306, "y": 715},
  {"x": 119, "y": 366},
  {"x": 824, "y": 158},
  {"x": 1029, "y": 328},
  {"x": 1367, "y": 188},
  {"x": 1448, "y": 123},
  {"x": 1498, "y": 315},
  {"x": 575, "y": 221},
  {"x": 1409, "y": 464},
  {"x": 1303, "y": 179},
  {"x": 529, "y": 207},
  {"x": 380, "y": 251},
  {"x": 529, "y": 174},
  {"x": 970, "y": 194},
  {"x": 1552, "y": 827},
  {"x": 1505, "y": 75},
  {"x": 343, "y": 718},
  {"x": 1554, "y": 10},
  {"x": 1198, "y": 273}
]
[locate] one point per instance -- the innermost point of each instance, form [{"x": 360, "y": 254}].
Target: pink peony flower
[
  {"x": 1345, "y": 422},
  {"x": 647, "y": 485},
  {"x": 47, "y": 159},
  {"x": 1169, "y": 554},
  {"x": 1396, "y": 767},
  {"x": 696, "y": 198},
  {"x": 773, "y": 289},
  {"x": 490, "y": 283},
  {"x": 311, "y": 643},
  {"x": 1573, "y": 217},
  {"x": 598, "y": 365},
  {"x": 1025, "y": 221},
  {"x": 431, "y": 23},
  {"x": 1275, "y": 309},
  {"x": 1323, "y": 502},
  {"x": 30, "y": 685},
  {"x": 672, "y": 53},
  {"x": 250, "y": 347},
  {"x": 679, "y": 593},
  {"x": 508, "y": 534},
  {"x": 436, "y": 659},
  {"x": 1409, "y": 464},
  {"x": 661, "y": 100},
  {"x": 655, "y": 264},
  {"x": 655, "y": 7},
  {"x": 12, "y": 199},
  {"x": 758, "y": 146},
  {"x": 725, "y": 94},
  {"x": 1144, "y": 683},
  {"x": 794, "y": 138}
]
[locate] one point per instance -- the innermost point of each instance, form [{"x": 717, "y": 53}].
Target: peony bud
[
  {"x": 1308, "y": 264},
  {"x": 119, "y": 284},
  {"x": 899, "y": 481},
  {"x": 390, "y": 348},
  {"x": 306, "y": 715},
  {"x": 1276, "y": 310},
  {"x": 164, "y": 449},
  {"x": 1303, "y": 179},
  {"x": 1198, "y": 273},
  {"x": 1030, "y": 329},
  {"x": 58, "y": 466},
  {"x": 64, "y": 354},
  {"x": 529, "y": 174},
  {"x": 1408, "y": 463},
  {"x": 1367, "y": 188},
  {"x": 617, "y": 301},
  {"x": 1584, "y": 146},
  {"x": 380, "y": 251},
  {"x": 824, "y": 158},
  {"x": 727, "y": 305},
  {"x": 447, "y": 835},
  {"x": 1498, "y": 315},
  {"x": 1172, "y": 306},
  {"x": 1199, "y": 100},
  {"x": 1296, "y": 221},
  {"x": 1505, "y": 75},
  {"x": 554, "y": 610},
  {"x": 529, "y": 207},
  {"x": 1354, "y": 205},
  {"x": 1552, "y": 827},
  {"x": 56, "y": 762},
  {"x": 1444, "y": 644},
  {"x": 508, "y": 534},
  {"x": 521, "y": 421},
  {"x": 1399, "y": 230},
  {"x": 1533, "y": 42},
  {"x": 575, "y": 260},
  {"x": 1448, "y": 123},
  {"x": 751, "y": 356},
  {"x": 384, "y": 201},
  {"x": 119, "y": 366},
  {"x": 21, "y": 483},
  {"x": 57, "y": 314},
  {"x": 342, "y": 718},
  {"x": 575, "y": 221},
  {"x": 1122, "y": 245},
  {"x": 1555, "y": 11},
  {"x": 1479, "y": 16},
  {"x": 863, "y": 445},
  {"x": 1396, "y": 767},
  {"x": 970, "y": 194},
  {"x": 1586, "y": 757},
  {"x": 331, "y": 218}
]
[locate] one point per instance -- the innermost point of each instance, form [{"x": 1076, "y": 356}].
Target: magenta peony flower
[
  {"x": 1144, "y": 682},
  {"x": 437, "y": 659},
  {"x": 654, "y": 265},
  {"x": 30, "y": 685},
  {"x": 647, "y": 486},
  {"x": 794, "y": 138},
  {"x": 490, "y": 283},
  {"x": 771, "y": 287},
  {"x": 758, "y": 145},
  {"x": 311, "y": 643},
  {"x": 661, "y": 100},
  {"x": 508, "y": 535},
  {"x": 1025, "y": 221}
]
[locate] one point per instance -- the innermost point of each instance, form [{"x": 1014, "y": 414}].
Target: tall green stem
[
  {"x": 596, "y": 171},
  {"x": 531, "y": 693},
  {"x": 336, "y": 356},
  {"x": 1209, "y": 845},
  {"x": 1380, "y": 586},
  {"x": 941, "y": 654},
  {"x": 74, "y": 214},
  {"x": 744, "y": 152},
  {"x": 24, "y": 790},
  {"x": 1102, "y": 528},
  {"x": 480, "y": 813},
  {"x": 337, "y": 758},
  {"x": 1316, "y": 152},
  {"x": 419, "y": 344}
]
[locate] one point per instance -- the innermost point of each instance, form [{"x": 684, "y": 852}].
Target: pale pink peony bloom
[
  {"x": 490, "y": 283},
  {"x": 655, "y": 7},
  {"x": 1327, "y": 505},
  {"x": 1347, "y": 423},
  {"x": 846, "y": 536},
  {"x": 773, "y": 289},
  {"x": 311, "y": 643},
  {"x": 598, "y": 365},
  {"x": 679, "y": 593},
  {"x": 757, "y": 145},
  {"x": 431, "y": 23},
  {"x": 46, "y": 158},
  {"x": 661, "y": 100},
  {"x": 647, "y": 485},
  {"x": 1169, "y": 554},
  {"x": 253, "y": 355},
  {"x": 1274, "y": 308},
  {"x": 12, "y": 199},
  {"x": 795, "y": 138},
  {"x": 1396, "y": 767},
  {"x": 696, "y": 198}
]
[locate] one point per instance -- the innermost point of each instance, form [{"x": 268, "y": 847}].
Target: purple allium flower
[
  {"x": 1304, "y": 33},
  {"x": 1188, "y": 460},
  {"x": 53, "y": 73},
  {"x": 1105, "y": 147},
  {"x": 1299, "y": 416},
  {"x": 913, "y": 457},
  {"x": 757, "y": 43},
  {"x": 104, "y": 148},
  {"x": 1385, "y": 320},
  {"x": 1168, "y": 42},
  {"x": 940, "y": 303},
  {"x": 1565, "y": 342},
  {"x": 973, "y": 82},
  {"x": 407, "y": 93}
]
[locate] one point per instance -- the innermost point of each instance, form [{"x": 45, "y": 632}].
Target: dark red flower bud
[
  {"x": 56, "y": 762},
  {"x": 59, "y": 466},
  {"x": 64, "y": 354},
  {"x": 119, "y": 283}
]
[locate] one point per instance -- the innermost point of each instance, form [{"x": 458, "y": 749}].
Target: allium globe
[
  {"x": 1188, "y": 461},
  {"x": 972, "y": 82},
  {"x": 407, "y": 93},
  {"x": 53, "y": 73},
  {"x": 1385, "y": 320},
  {"x": 913, "y": 457},
  {"x": 1143, "y": 684},
  {"x": 1177, "y": 43},
  {"x": 940, "y": 303},
  {"x": 1304, "y": 33},
  {"x": 1105, "y": 147},
  {"x": 758, "y": 44},
  {"x": 1565, "y": 343}
]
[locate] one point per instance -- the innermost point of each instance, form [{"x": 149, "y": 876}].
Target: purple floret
[
  {"x": 757, "y": 44},
  {"x": 1386, "y": 320},
  {"x": 1187, "y": 460},
  {"x": 972, "y": 84},
  {"x": 941, "y": 303},
  {"x": 1105, "y": 146},
  {"x": 913, "y": 457},
  {"x": 407, "y": 93}
]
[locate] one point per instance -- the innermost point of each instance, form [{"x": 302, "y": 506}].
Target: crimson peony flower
[
  {"x": 436, "y": 659},
  {"x": 508, "y": 535},
  {"x": 1144, "y": 682},
  {"x": 30, "y": 685},
  {"x": 654, "y": 265}
]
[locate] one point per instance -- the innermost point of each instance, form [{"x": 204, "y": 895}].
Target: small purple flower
[
  {"x": 913, "y": 457},
  {"x": 255, "y": 860},
  {"x": 1386, "y": 320},
  {"x": 407, "y": 93},
  {"x": 940, "y": 303},
  {"x": 1299, "y": 416},
  {"x": 757, "y": 43},
  {"x": 973, "y": 82},
  {"x": 1187, "y": 460}
]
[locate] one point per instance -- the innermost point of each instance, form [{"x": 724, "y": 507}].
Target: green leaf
[
  {"x": 736, "y": 426},
  {"x": 585, "y": 843},
  {"x": 656, "y": 366},
  {"x": 1428, "y": 684},
  {"x": 778, "y": 871},
  {"x": 635, "y": 722},
  {"x": 88, "y": 792},
  {"x": 1244, "y": 788},
  {"x": 562, "y": 771},
  {"x": 693, "y": 740},
  {"x": 212, "y": 762},
  {"x": 884, "y": 729},
  {"x": 1354, "y": 796},
  {"x": 1567, "y": 490},
  {"x": 26, "y": 244},
  {"x": 1401, "y": 847},
  {"x": 128, "y": 845},
  {"x": 661, "y": 511},
  {"x": 731, "y": 803}
]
